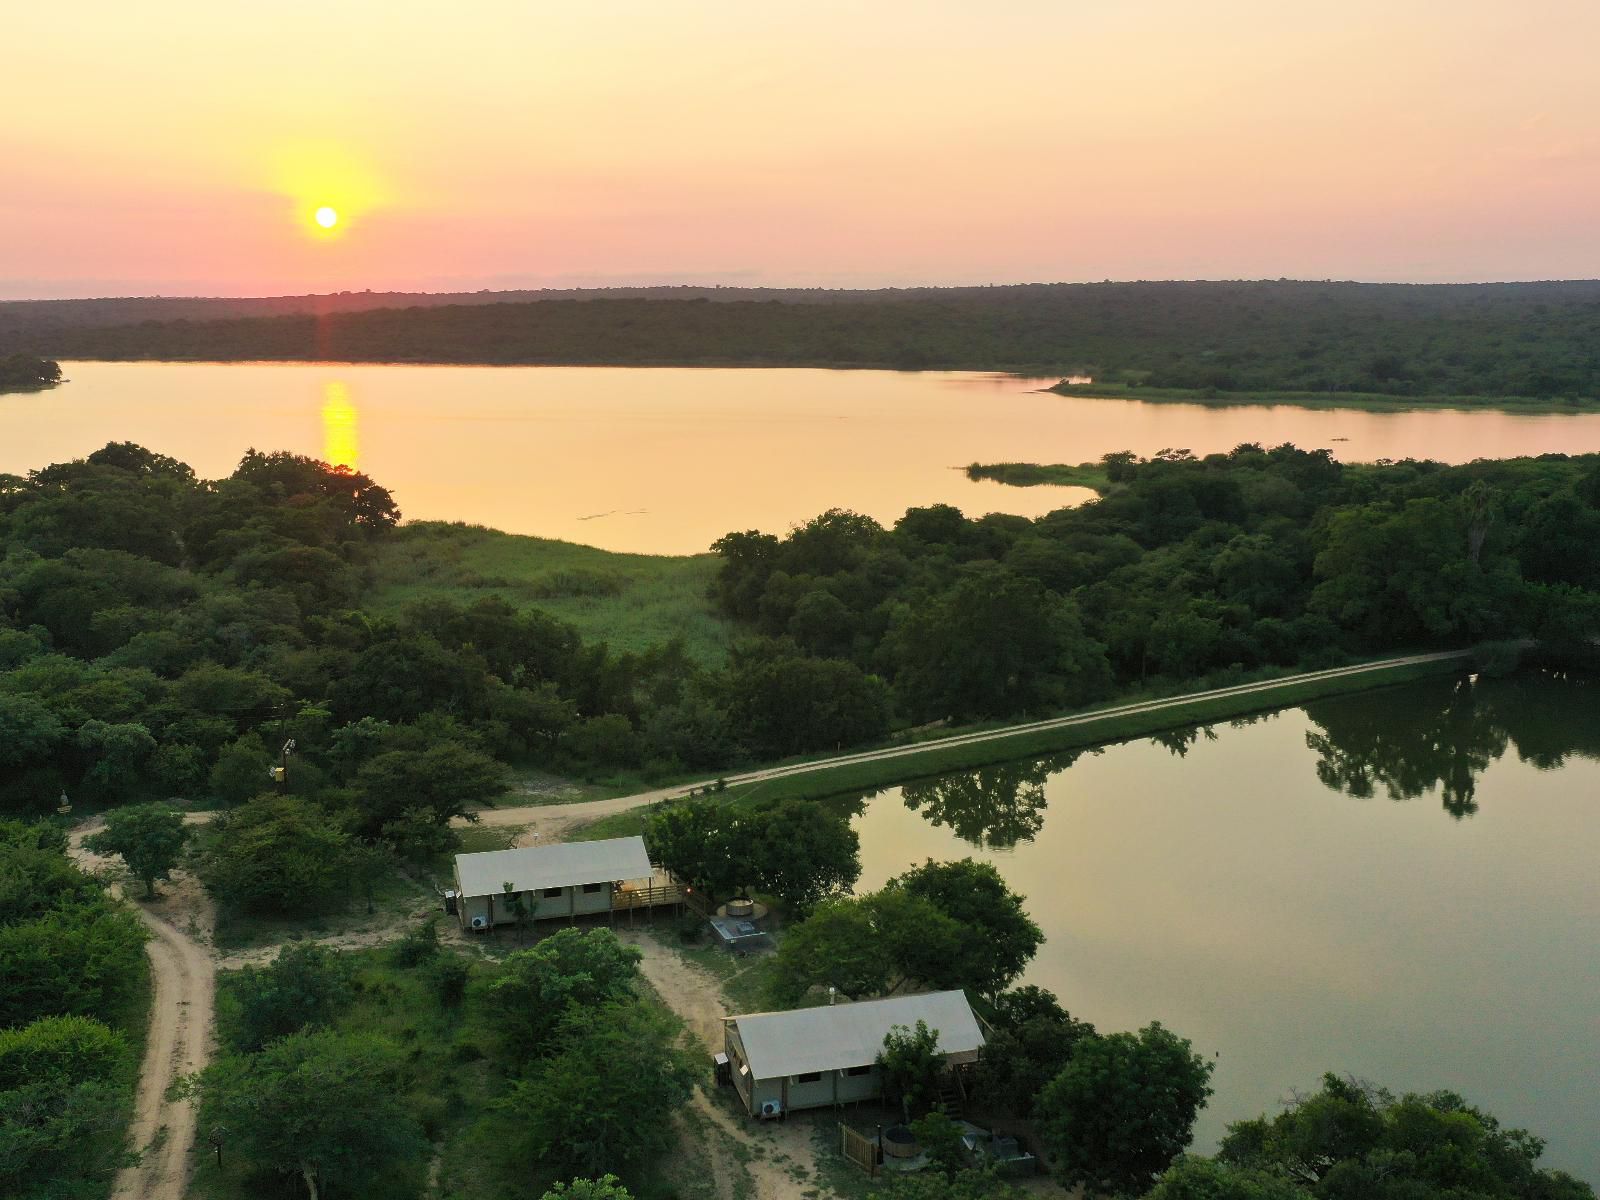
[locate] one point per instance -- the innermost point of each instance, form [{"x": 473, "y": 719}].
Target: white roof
[
  {"x": 563, "y": 864},
  {"x": 836, "y": 1036}
]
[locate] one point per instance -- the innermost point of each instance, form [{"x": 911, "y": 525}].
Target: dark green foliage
[
  {"x": 941, "y": 1140},
  {"x": 1202, "y": 1179},
  {"x": 911, "y": 1065},
  {"x": 148, "y": 837},
  {"x": 319, "y": 1106},
  {"x": 598, "y": 1102},
  {"x": 1002, "y": 938},
  {"x": 1030, "y": 1042},
  {"x": 24, "y": 372},
  {"x": 941, "y": 925},
  {"x": 783, "y": 702},
  {"x": 1350, "y": 1140},
  {"x": 1186, "y": 568},
  {"x": 568, "y": 972},
  {"x": 1123, "y": 1109},
  {"x": 276, "y": 854},
  {"x": 607, "y": 1188},
  {"x": 964, "y": 1185},
  {"x": 1318, "y": 337},
  {"x": 304, "y": 987},
  {"x": 796, "y": 851}
]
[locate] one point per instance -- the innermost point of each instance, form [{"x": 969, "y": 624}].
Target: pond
[
  {"x": 666, "y": 460},
  {"x": 1400, "y": 885}
]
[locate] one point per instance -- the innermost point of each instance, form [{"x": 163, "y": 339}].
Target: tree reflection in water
[
  {"x": 993, "y": 807},
  {"x": 1443, "y": 734}
]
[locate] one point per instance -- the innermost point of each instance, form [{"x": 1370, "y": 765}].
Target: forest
[
  {"x": 162, "y": 635},
  {"x": 1497, "y": 342}
]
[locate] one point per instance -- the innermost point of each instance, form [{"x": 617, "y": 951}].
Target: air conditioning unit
[
  {"x": 480, "y": 922},
  {"x": 771, "y": 1109}
]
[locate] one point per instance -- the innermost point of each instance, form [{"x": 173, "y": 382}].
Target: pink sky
[{"x": 178, "y": 146}]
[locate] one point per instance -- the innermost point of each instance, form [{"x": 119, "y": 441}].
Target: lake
[
  {"x": 666, "y": 460},
  {"x": 1400, "y": 885}
]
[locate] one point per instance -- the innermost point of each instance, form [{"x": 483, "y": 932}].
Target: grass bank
[
  {"x": 1362, "y": 401},
  {"x": 632, "y": 601},
  {"x": 1093, "y": 727},
  {"x": 1084, "y": 475}
]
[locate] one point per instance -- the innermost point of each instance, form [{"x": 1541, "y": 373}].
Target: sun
[{"x": 326, "y": 217}]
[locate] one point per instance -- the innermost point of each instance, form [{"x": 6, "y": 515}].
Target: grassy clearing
[
  {"x": 632, "y": 601},
  {"x": 399, "y": 897},
  {"x": 1085, "y": 475},
  {"x": 1363, "y": 401}
]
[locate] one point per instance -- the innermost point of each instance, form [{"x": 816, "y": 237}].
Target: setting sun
[{"x": 326, "y": 217}]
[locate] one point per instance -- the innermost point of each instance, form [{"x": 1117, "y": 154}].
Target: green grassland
[
  {"x": 632, "y": 601},
  {"x": 1084, "y": 475}
]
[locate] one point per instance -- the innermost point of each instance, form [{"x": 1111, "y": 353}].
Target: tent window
[
  {"x": 552, "y": 892},
  {"x": 591, "y": 888},
  {"x": 856, "y": 1071},
  {"x": 808, "y": 1077}
]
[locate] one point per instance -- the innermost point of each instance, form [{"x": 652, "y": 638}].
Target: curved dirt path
[
  {"x": 551, "y": 821},
  {"x": 782, "y": 1162},
  {"x": 178, "y": 1042}
]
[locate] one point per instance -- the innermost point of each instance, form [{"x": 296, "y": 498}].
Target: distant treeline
[{"x": 1537, "y": 341}]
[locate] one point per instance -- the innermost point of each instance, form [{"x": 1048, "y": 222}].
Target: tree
[
  {"x": 83, "y": 960},
  {"x": 942, "y": 1141},
  {"x": 63, "y": 1108},
  {"x": 276, "y": 854},
  {"x": 304, "y": 987},
  {"x": 1123, "y": 1108},
  {"x": 802, "y": 853},
  {"x": 912, "y": 1067},
  {"x": 445, "y": 779},
  {"x": 608, "y": 1187},
  {"x": 570, "y": 970},
  {"x": 1031, "y": 1042},
  {"x": 836, "y": 946},
  {"x": 964, "y": 1185},
  {"x": 1192, "y": 1178},
  {"x": 996, "y": 643},
  {"x": 782, "y": 703},
  {"x": 605, "y": 1098},
  {"x": 241, "y": 771},
  {"x": 148, "y": 837},
  {"x": 1002, "y": 937},
  {"x": 1352, "y": 1141},
  {"x": 318, "y": 1104}
]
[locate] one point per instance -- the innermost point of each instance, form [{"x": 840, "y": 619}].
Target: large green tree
[
  {"x": 570, "y": 970},
  {"x": 603, "y": 1101},
  {"x": 1123, "y": 1109},
  {"x": 148, "y": 837},
  {"x": 319, "y": 1105}
]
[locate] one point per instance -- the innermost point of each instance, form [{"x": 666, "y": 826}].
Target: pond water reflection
[{"x": 1248, "y": 885}]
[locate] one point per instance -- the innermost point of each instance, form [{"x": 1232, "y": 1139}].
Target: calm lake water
[
  {"x": 1401, "y": 885},
  {"x": 666, "y": 460}
]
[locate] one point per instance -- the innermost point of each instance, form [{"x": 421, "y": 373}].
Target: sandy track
[
  {"x": 783, "y": 1161},
  {"x": 183, "y": 981}
]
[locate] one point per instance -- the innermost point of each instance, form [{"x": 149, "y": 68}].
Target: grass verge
[
  {"x": 1015, "y": 474},
  {"x": 632, "y": 601}
]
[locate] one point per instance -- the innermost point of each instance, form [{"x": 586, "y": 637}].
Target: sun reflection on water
[{"x": 341, "y": 438}]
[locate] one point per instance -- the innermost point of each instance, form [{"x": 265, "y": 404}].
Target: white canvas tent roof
[
  {"x": 564, "y": 864},
  {"x": 838, "y": 1036}
]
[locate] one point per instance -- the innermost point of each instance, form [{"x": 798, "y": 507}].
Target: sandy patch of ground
[{"x": 782, "y": 1162}]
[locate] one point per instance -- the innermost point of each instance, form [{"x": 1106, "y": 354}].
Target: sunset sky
[{"x": 182, "y": 147}]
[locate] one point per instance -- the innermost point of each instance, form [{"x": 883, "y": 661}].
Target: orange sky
[{"x": 179, "y": 147}]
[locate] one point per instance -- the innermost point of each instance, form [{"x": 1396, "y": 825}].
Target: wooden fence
[{"x": 859, "y": 1148}]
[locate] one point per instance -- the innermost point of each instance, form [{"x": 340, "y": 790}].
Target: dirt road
[
  {"x": 781, "y": 1158},
  {"x": 179, "y": 1038},
  {"x": 551, "y": 821}
]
